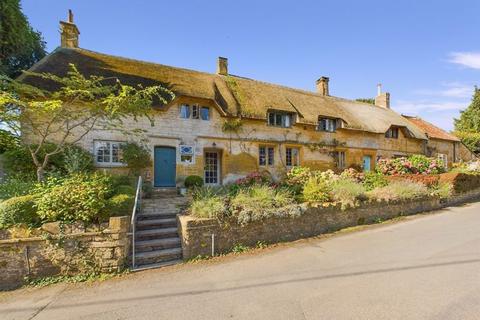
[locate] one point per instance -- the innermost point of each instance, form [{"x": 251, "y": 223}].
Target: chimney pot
[
  {"x": 222, "y": 66},
  {"x": 70, "y": 16},
  {"x": 322, "y": 86},
  {"x": 383, "y": 98}
]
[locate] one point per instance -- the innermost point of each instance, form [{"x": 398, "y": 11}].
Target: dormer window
[
  {"x": 327, "y": 124},
  {"x": 194, "y": 112},
  {"x": 392, "y": 133},
  {"x": 280, "y": 119}
]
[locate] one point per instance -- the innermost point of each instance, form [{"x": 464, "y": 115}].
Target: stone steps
[
  {"x": 157, "y": 256},
  {"x": 156, "y": 223},
  {"x": 157, "y": 244}
]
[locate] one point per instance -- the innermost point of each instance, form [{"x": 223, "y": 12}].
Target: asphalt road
[{"x": 426, "y": 267}]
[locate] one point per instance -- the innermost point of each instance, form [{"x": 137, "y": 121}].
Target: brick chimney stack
[
  {"x": 222, "y": 66},
  {"x": 322, "y": 86},
  {"x": 69, "y": 32},
  {"x": 383, "y": 98}
]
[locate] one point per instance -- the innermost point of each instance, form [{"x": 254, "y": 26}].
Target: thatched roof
[
  {"x": 234, "y": 95},
  {"x": 431, "y": 130}
]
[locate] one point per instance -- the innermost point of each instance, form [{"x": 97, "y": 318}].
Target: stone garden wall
[
  {"x": 86, "y": 252},
  {"x": 196, "y": 234}
]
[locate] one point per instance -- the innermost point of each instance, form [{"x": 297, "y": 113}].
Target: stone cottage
[{"x": 222, "y": 126}]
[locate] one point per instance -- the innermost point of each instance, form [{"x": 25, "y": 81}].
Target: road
[{"x": 425, "y": 267}]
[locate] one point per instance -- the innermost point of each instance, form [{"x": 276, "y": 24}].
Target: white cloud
[{"x": 466, "y": 59}]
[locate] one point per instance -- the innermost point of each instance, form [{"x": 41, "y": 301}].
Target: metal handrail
[{"x": 136, "y": 208}]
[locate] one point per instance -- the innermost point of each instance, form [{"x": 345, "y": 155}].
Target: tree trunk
[{"x": 40, "y": 174}]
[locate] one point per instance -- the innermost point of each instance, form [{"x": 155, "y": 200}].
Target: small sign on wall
[{"x": 186, "y": 154}]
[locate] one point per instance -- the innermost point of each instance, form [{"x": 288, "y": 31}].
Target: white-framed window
[
  {"x": 266, "y": 155},
  {"x": 392, "y": 133},
  {"x": 108, "y": 152},
  {"x": 194, "y": 112},
  {"x": 444, "y": 158},
  {"x": 280, "y": 119},
  {"x": 292, "y": 157},
  {"x": 186, "y": 154},
  {"x": 341, "y": 160},
  {"x": 185, "y": 111},
  {"x": 327, "y": 124}
]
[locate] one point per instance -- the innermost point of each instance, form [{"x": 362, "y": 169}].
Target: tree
[
  {"x": 79, "y": 106},
  {"x": 366, "y": 100},
  {"x": 467, "y": 128},
  {"x": 20, "y": 45}
]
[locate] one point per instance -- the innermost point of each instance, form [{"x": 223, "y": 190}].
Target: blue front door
[
  {"x": 367, "y": 160},
  {"x": 165, "y": 166}
]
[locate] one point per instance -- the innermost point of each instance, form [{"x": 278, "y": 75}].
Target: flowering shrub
[
  {"x": 399, "y": 190},
  {"x": 254, "y": 178},
  {"x": 415, "y": 164},
  {"x": 353, "y": 174},
  {"x": 347, "y": 192}
]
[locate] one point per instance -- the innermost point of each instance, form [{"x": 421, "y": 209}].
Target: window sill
[{"x": 110, "y": 165}]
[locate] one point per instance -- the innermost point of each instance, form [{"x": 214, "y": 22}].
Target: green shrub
[
  {"x": 147, "y": 190},
  {"x": 259, "y": 202},
  {"x": 19, "y": 210},
  {"x": 296, "y": 178},
  {"x": 316, "y": 189},
  {"x": 81, "y": 197},
  {"x": 443, "y": 190},
  {"x": 77, "y": 160},
  {"x": 373, "y": 180},
  {"x": 14, "y": 187},
  {"x": 347, "y": 192},
  {"x": 209, "y": 207},
  {"x": 137, "y": 157},
  {"x": 193, "y": 182},
  {"x": 123, "y": 189},
  {"x": 120, "y": 205},
  {"x": 399, "y": 190},
  {"x": 122, "y": 180}
]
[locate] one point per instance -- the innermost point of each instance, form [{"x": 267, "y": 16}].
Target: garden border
[{"x": 199, "y": 235}]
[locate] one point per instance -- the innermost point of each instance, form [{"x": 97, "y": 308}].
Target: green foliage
[
  {"x": 296, "y": 178},
  {"x": 18, "y": 161},
  {"x": 125, "y": 189},
  {"x": 470, "y": 139},
  {"x": 366, "y": 100},
  {"x": 20, "y": 45},
  {"x": 19, "y": 210},
  {"x": 347, "y": 192},
  {"x": 80, "y": 197},
  {"x": 399, "y": 190},
  {"x": 442, "y": 190},
  {"x": 208, "y": 204},
  {"x": 259, "y": 202},
  {"x": 86, "y": 277},
  {"x": 120, "y": 205},
  {"x": 8, "y": 141},
  {"x": 147, "y": 190},
  {"x": 193, "y": 182},
  {"x": 316, "y": 189},
  {"x": 137, "y": 157},
  {"x": 77, "y": 160},
  {"x": 470, "y": 118},
  {"x": 232, "y": 125},
  {"x": 14, "y": 187},
  {"x": 373, "y": 180},
  {"x": 414, "y": 164},
  {"x": 56, "y": 116},
  {"x": 240, "y": 248},
  {"x": 122, "y": 180}
]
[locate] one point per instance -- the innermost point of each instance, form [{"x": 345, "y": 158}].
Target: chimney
[
  {"x": 222, "y": 66},
  {"x": 383, "y": 98},
  {"x": 69, "y": 32},
  {"x": 322, "y": 86}
]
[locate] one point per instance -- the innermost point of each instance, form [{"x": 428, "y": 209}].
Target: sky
[{"x": 425, "y": 53}]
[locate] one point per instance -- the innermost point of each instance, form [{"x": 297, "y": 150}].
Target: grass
[{"x": 88, "y": 277}]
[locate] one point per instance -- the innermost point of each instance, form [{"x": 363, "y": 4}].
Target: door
[
  {"x": 211, "y": 168},
  {"x": 367, "y": 160},
  {"x": 165, "y": 159}
]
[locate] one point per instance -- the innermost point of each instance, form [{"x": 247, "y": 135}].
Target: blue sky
[{"x": 425, "y": 53}]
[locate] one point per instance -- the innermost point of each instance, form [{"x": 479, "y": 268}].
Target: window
[
  {"x": 186, "y": 154},
  {"x": 341, "y": 160},
  {"x": 292, "y": 157},
  {"x": 266, "y": 155},
  {"x": 205, "y": 113},
  {"x": 195, "y": 112},
  {"x": 444, "y": 159},
  {"x": 327, "y": 124},
  {"x": 108, "y": 152},
  {"x": 279, "y": 119},
  {"x": 185, "y": 111},
  {"x": 392, "y": 133}
]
